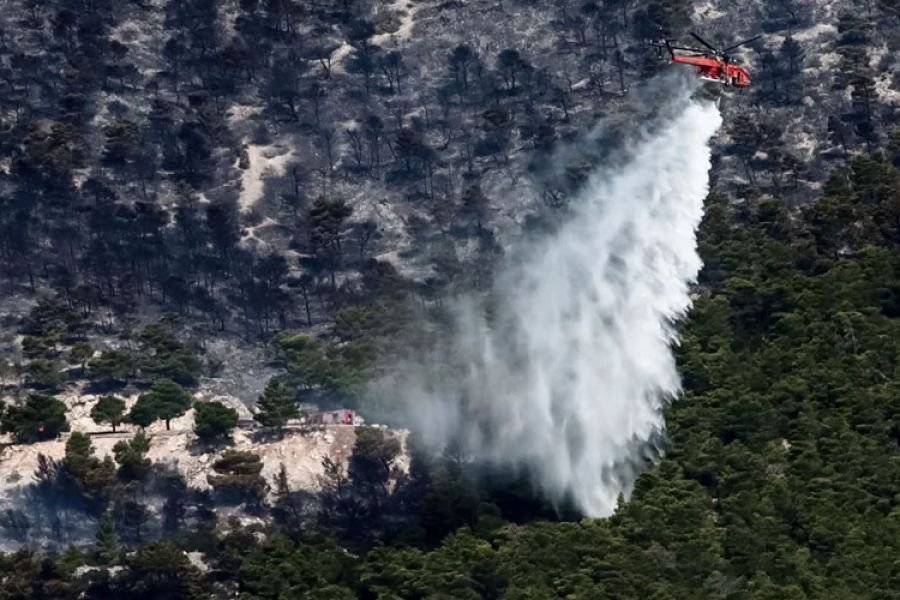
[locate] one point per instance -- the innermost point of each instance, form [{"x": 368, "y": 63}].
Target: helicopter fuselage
[{"x": 713, "y": 69}]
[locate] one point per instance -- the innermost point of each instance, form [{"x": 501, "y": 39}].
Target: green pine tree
[
  {"x": 276, "y": 405},
  {"x": 166, "y": 400},
  {"x": 144, "y": 412},
  {"x": 109, "y": 409},
  {"x": 40, "y": 418},
  {"x": 131, "y": 456},
  {"x": 213, "y": 420},
  {"x": 106, "y": 542},
  {"x": 80, "y": 353}
]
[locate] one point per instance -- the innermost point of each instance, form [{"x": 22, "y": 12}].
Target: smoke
[{"x": 565, "y": 370}]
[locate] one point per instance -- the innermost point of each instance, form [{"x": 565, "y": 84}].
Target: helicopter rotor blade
[
  {"x": 704, "y": 42},
  {"x": 730, "y": 48},
  {"x": 700, "y": 50}
]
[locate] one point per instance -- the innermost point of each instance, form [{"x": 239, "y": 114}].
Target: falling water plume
[{"x": 566, "y": 370}]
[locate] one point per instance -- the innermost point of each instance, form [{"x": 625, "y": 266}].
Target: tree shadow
[
  {"x": 103, "y": 387},
  {"x": 198, "y": 446}
]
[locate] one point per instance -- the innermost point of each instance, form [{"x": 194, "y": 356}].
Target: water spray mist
[{"x": 569, "y": 374}]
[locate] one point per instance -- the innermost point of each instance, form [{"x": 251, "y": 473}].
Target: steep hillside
[
  {"x": 268, "y": 201},
  {"x": 228, "y": 160}
]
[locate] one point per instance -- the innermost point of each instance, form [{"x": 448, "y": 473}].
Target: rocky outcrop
[{"x": 300, "y": 449}]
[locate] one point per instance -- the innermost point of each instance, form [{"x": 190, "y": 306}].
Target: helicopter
[{"x": 713, "y": 64}]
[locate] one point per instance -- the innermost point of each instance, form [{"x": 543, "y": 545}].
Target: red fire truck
[{"x": 341, "y": 416}]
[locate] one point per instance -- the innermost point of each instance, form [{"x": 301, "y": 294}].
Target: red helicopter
[{"x": 712, "y": 64}]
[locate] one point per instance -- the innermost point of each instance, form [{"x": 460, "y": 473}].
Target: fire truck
[{"x": 341, "y": 416}]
